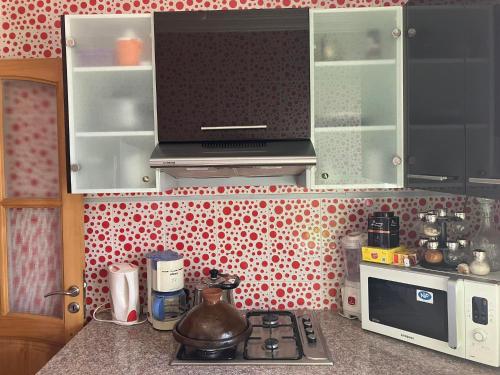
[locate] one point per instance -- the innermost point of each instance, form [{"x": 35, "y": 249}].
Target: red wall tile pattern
[{"x": 287, "y": 251}]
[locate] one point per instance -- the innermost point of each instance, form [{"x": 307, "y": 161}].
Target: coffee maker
[{"x": 167, "y": 298}]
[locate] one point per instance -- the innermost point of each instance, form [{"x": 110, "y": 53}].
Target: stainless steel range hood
[{"x": 234, "y": 161}]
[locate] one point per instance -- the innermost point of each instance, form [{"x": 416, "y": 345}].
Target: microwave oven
[{"x": 444, "y": 311}]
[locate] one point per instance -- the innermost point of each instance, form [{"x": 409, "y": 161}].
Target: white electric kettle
[{"x": 123, "y": 281}]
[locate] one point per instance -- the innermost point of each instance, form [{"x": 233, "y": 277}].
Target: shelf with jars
[{"x": 442, "y": 246}]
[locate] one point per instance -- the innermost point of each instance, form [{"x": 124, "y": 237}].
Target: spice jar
[
  {"x": 479, "y": 265},
  {"x": 431, "y": 226}
]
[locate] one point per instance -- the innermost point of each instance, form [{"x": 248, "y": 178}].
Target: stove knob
[
  {"x": 311, "y": 338},
  {"x": 307, "y": 324},
  {"x": 309, "y": 331}
]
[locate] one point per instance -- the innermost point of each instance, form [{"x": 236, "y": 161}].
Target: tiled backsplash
[{"x": 287, "y": 251}]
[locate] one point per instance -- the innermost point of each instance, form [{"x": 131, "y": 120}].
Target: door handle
[
  {"x": 431, "y": 177},
  {"x": 72, "y": 291},
  {"x": 452, "y": 313},
  {"x": 233, "y": 127},
  {"x": 486, "y": 181}
]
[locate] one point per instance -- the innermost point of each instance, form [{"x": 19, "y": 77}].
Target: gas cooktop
[{"x": 278, "y": 337}]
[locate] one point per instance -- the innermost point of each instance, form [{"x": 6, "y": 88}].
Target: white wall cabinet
[
  {"x": 356, "y": 101},
  {"x": 110, "y": 103},
  {"x": 357, "y": 98}
]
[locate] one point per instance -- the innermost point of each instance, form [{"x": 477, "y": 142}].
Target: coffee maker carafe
[{"x": 167, "y": 298}]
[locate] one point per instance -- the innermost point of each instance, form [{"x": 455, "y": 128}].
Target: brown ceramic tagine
[{"x": 213, "y": 324}]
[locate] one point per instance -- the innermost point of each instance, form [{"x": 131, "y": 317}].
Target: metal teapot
[{"x": 216, "y": 279}]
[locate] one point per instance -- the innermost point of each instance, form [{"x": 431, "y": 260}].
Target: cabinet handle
[
  {"x": 324, "y": 176},
  {"x": 234, "y": 127},
  {"x": 396, "y": 33},
  {"x": 431, "y": 177},
  {"x": 485, "y": 181},
  {"x": 412, "y": 33},
  {"x": 145, "y": 179},
  {"x": 396, "y": 160},
  {"x": 75, "y": 167},
  {"x": 452, "y": 313},
  {"x": 70, "y": 42}
]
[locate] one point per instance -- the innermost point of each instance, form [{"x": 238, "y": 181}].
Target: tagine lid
[{"x": 213, "y": 324}]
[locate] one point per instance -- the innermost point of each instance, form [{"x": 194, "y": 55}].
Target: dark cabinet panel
[
  {"x": 435, "y": 81},
  {"x": 243, "y": 72},
  {"x": 453, "y": 85},
  {"x": 482, "y": 100}
]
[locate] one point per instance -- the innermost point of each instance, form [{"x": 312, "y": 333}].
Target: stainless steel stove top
[{"x": 278, "y": 337}]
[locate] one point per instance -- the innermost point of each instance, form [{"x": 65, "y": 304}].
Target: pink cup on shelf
[{"x": 128, "y": 51}]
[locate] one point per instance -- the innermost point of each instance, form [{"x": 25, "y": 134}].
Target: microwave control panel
[
  {"x": 482, "y": 329},
  {"x": 480, "y": 310}
]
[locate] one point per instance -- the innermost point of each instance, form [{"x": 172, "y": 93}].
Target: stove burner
[
  {"x": 271, "y": 344},
  {"x": 270, "y": 320}
]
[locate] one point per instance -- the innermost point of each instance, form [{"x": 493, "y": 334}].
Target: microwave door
[{"x": 413, "y": 306}]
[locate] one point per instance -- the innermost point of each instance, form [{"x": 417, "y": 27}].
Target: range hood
[
  {"x": 233, "y": 97},
  {"x": 242, "y": 159}
]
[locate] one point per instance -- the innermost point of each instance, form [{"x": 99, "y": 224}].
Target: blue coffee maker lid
[{"x": 163, "y": 256}]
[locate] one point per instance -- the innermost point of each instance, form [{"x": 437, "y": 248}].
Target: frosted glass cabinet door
[
  {"x": 110, "y": 84},
  {"x": 357, "y": 106}
]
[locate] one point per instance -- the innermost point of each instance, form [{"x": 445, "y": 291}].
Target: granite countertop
[{"x": 104, "y": 348}]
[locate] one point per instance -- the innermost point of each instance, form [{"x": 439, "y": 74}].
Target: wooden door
[{"x": 41, "y": 225}]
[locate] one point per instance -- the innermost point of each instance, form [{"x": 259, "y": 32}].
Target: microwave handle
[{"x": 452, "y": 314}]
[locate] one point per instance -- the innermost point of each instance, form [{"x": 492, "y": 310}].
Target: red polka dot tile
[
  {"x": 296, "y": 295},
  {"x": 242, "y": 232},
  {"x": 99, "y": 251},
  {"x": 294, "y": 239},
  {"x": 190, "y": 229},
  {"x": 254, "y": 295}
]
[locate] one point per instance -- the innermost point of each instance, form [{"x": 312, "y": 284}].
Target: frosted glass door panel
[
  {"x": 114, "y": 163},
  {"x": 34, "y": 260},
  {"x": 96, "y": 39},
  {"x": 357, "y": 99},
  {"x": 355, "y": 158},
  {"x": 30, "y": 139},
  {"x": 113, "y": 101},
  {"x": 355, "y": 95},
  {"x": 110, "y": 102},
  {"x": 354, "y": 34}
]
